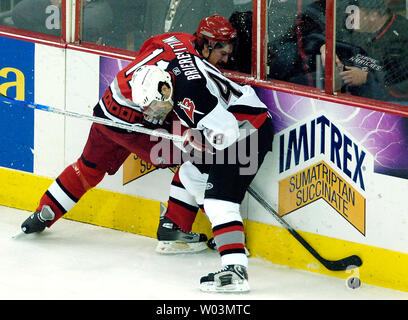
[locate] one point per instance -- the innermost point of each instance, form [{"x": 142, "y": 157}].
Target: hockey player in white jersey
[
  {"x": 233, "y": 122},
  {"x": 227, "y": 121},
  {"x": 215, "y": 38}
]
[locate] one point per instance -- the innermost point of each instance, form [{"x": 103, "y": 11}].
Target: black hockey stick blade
[{"x": 346, "y": 263}]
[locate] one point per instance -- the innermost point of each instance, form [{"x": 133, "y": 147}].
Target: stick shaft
[
  {"x": 107, "y": 122},
  {"x": 334, "y": 265}
]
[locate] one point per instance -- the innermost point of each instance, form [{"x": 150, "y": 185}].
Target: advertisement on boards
[
  {"x": 334, "y": 153},
  {"x": 323, "y": 151},
  {"x": 16, "y": 122}
]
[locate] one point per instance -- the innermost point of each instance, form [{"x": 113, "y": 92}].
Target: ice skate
[
  {"x": 173, "y": 240},
  {"x": 38, "y": 220},
  {"x": 232, "y": 278}
]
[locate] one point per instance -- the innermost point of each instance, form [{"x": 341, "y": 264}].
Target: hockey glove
[
  {"x": 194, "y": 139},
  {"x": 157, "y": 112}
]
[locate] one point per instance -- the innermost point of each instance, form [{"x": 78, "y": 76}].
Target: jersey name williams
[{"x": 184, "y": 57}]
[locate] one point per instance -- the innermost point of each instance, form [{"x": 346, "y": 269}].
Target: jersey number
[{"x": 225, "y": 88}]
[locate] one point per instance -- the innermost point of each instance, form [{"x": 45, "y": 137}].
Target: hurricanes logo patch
[{"x": 189, "y": 108}]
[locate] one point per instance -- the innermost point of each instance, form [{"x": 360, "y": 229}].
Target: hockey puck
[{"x": 354, "y": 283}]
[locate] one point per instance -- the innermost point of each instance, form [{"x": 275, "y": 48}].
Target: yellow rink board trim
[{"x": 381, "y": 267}]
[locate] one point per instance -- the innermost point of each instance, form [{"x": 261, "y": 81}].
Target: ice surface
[{"x": 74, "y": 260}]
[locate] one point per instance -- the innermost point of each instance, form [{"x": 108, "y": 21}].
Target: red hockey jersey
[{"x": 116, "y": 104}]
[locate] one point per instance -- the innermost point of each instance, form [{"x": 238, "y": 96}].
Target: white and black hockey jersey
[{"x": 205, "y": 99}]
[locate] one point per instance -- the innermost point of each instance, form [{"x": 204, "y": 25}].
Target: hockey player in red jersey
[{"x": 108, "y": 147}]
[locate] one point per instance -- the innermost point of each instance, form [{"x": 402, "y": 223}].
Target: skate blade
[
  {"x": 178, "y": 247},
  {"x": 19, "y": 235},
  {"x": 33, "y": 235},
  {"x": 212, "y": 287}
]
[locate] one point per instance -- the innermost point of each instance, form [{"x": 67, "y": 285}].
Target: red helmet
[{"x": 215, "y": 28}]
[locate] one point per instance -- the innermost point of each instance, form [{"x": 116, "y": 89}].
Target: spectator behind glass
[
  {"x": 44, "y": 16},
  {"x": 377, "y": 67},
  {"x": 380, "y": 42}
]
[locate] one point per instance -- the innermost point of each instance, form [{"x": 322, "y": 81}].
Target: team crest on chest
[{"x": 188, "y": 107}]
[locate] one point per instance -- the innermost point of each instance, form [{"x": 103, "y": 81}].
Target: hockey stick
[
  {"x": 336, "y": 265},
  {"x": 347, "y": 263},
  {"x": 107, "y": 122}
]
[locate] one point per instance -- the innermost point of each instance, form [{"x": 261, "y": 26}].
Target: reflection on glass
[
  {"x": 296, "y": 31},
  {"x": 127, "y": 24},
  {"x": 182, "y": 15},
  {"x": 6, "y": 7},
  {"x": 42, "y": 16},
  {"x": 116, "y": 23}
]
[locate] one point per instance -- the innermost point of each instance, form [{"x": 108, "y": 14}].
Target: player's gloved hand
[
  {"x": 194, "y": 139},
  {"x": 157, "y": 112}
]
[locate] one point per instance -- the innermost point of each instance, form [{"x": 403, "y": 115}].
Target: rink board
[
  {"x": 337, "y": 173},
  {"x": 381, "y": 267}
]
